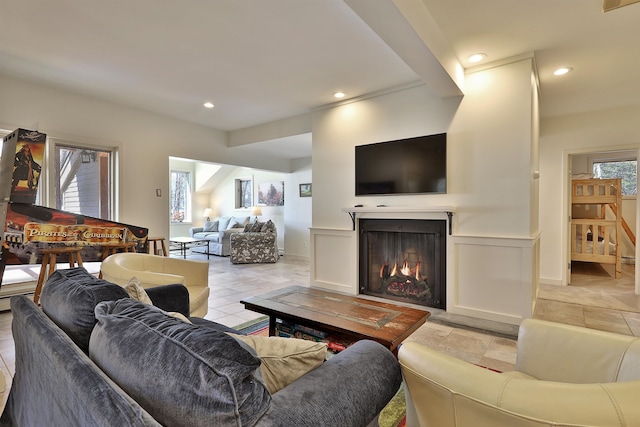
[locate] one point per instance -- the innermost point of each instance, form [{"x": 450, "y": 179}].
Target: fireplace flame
[
  {"x": 394, "y": 270},
  {"x": 384, "y": 270},
  {"x": 404, "y": 270}
]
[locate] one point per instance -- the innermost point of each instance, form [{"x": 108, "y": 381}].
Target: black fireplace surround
[{"x": 404, "y": 260}]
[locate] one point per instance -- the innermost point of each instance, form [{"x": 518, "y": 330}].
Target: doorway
[{"x": 604, "y": 165}]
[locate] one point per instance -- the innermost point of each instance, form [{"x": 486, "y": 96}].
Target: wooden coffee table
[{"x": 359, "y": 318}]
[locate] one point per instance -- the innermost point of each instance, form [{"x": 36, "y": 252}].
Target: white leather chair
[
  {"x": 153, "y": 270},
  {"x": 565, "y": 375}
]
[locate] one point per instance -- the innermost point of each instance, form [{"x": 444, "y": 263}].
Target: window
[
  {"x": 83, "y": 180},
  {"x": 243, "y": 193},
  {"x": 625, "y": 169},
  {"x": 180, "y": 196}
]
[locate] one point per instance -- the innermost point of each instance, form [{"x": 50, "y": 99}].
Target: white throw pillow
[{"x": 136, "y": 291}]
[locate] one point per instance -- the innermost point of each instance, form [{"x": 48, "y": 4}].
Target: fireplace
[{"x": 403, "y": 260}]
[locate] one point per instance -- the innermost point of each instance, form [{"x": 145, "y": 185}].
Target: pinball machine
[{"x": 30, "y": 228}]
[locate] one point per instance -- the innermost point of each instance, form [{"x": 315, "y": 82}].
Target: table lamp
[{"x": 256, "y": 211}]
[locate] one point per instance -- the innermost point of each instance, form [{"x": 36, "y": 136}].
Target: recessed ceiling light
[
  {"x": 562, "y": 71},
  {"x": 208, "y": 104},
  {"x": 339, "y": 95},
  {"x": 477, "y": 57}
]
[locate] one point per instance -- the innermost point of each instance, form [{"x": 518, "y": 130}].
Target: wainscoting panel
[
  {"x": 496, "y": 278},
  {"x": 334, "y": 260}
]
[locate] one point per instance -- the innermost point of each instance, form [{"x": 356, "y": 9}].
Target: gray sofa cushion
[
  {"x": 268, "y": 227},
  {"x": 213, "y": 236},
  {"x": 210, "y": 226},
  {"x": 216, "y": 381},
  {"x": 238, "y": 222},
  {"x": 69, "y": 298},
  {"x": 223, "y": 222},
  {"x": 253, "y": 227}
]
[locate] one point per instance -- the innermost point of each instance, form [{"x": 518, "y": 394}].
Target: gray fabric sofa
[
  {"x": 89, "y": 343},
  {"x": 218, "y": 233}
]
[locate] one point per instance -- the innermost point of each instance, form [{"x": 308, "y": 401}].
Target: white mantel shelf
[{"x": 354, "y": 211}]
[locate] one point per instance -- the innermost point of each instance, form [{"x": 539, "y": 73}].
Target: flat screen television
[{"x": 407, "y": 166}]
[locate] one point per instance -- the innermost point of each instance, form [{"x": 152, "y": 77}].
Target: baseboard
[
  {"x": 296, "y": 257},
  {"x": 505, "y": 330},
  {"x": 547, "y": 281}
]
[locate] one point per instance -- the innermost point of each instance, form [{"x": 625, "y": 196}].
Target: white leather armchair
[
  {"x": 153, "y": 270},
  {"x": 565, "y": 375}
]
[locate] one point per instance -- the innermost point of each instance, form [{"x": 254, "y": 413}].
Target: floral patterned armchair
[{"x": 256, "y": 244}]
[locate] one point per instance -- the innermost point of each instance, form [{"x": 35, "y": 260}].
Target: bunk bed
[{"x": 596, "y": 221}]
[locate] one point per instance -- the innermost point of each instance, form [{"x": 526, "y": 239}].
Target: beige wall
[{"x": 144, "y": 142}]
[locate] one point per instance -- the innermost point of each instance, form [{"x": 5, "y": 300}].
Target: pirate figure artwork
[
  {"x": 25, "y": 168},
  {"x": 29, "y": 148}
]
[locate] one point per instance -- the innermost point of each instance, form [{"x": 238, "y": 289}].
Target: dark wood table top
[{"x": 383, "y": 322}]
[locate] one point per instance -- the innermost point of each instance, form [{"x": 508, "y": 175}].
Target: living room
[
  {"x": 216, "y": 189},
  {"x": 509, "y": 220},
  {"x": 511, "y": 131}
]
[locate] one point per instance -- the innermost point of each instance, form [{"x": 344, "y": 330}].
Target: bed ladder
[{"x": 625, "y": 226}]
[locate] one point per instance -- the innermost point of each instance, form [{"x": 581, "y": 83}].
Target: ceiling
[{"x": 260, "y": 61}]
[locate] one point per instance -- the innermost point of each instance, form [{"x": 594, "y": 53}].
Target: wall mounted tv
[{"x": 406, "y": 166}]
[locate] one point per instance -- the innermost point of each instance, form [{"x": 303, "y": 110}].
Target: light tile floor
[{"x": 599, "y": 302}]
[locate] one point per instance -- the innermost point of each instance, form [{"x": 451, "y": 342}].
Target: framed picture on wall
[
  {"x": 271, "y": 193},
  {"x": 305, "y": 190}
]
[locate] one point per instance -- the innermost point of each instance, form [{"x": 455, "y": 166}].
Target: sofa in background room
[
  {"x": 218, "y": 233},
  {"x": 256, "y": 244}
]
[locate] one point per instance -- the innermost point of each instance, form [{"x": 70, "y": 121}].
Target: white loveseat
[
  {"x": 218, "y": 233},
  {"x": 565, "y": 376},
  {"x": 153, "y": 270}
]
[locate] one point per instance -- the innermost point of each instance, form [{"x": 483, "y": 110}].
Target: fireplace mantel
[{"x": 354, "y": 211}]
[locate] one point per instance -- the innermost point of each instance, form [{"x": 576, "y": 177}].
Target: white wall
[
  {"x": 489, "y": 159},
  {"x": 491, "y": 140},
  {"x": 560, "y": 137},
  {"x": 144, "y": 142},
  {"x": 297, "y": 210},
  {"x": 492, "y": 152},
  {"x": 336, "y": 132}
]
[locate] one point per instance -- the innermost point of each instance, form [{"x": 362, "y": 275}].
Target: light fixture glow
[
  {"x": 208, "y": 104},
  {"x": 339, "y": 95},
  {"x": 477, "y": 57},
  {"x": 562, "y": 71}
]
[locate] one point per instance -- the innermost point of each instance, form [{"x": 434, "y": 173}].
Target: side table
[
  {"x": 155, "y": 241},
  {"x": 112, "y": 249},
  {"x": 49, "y": 264}
]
